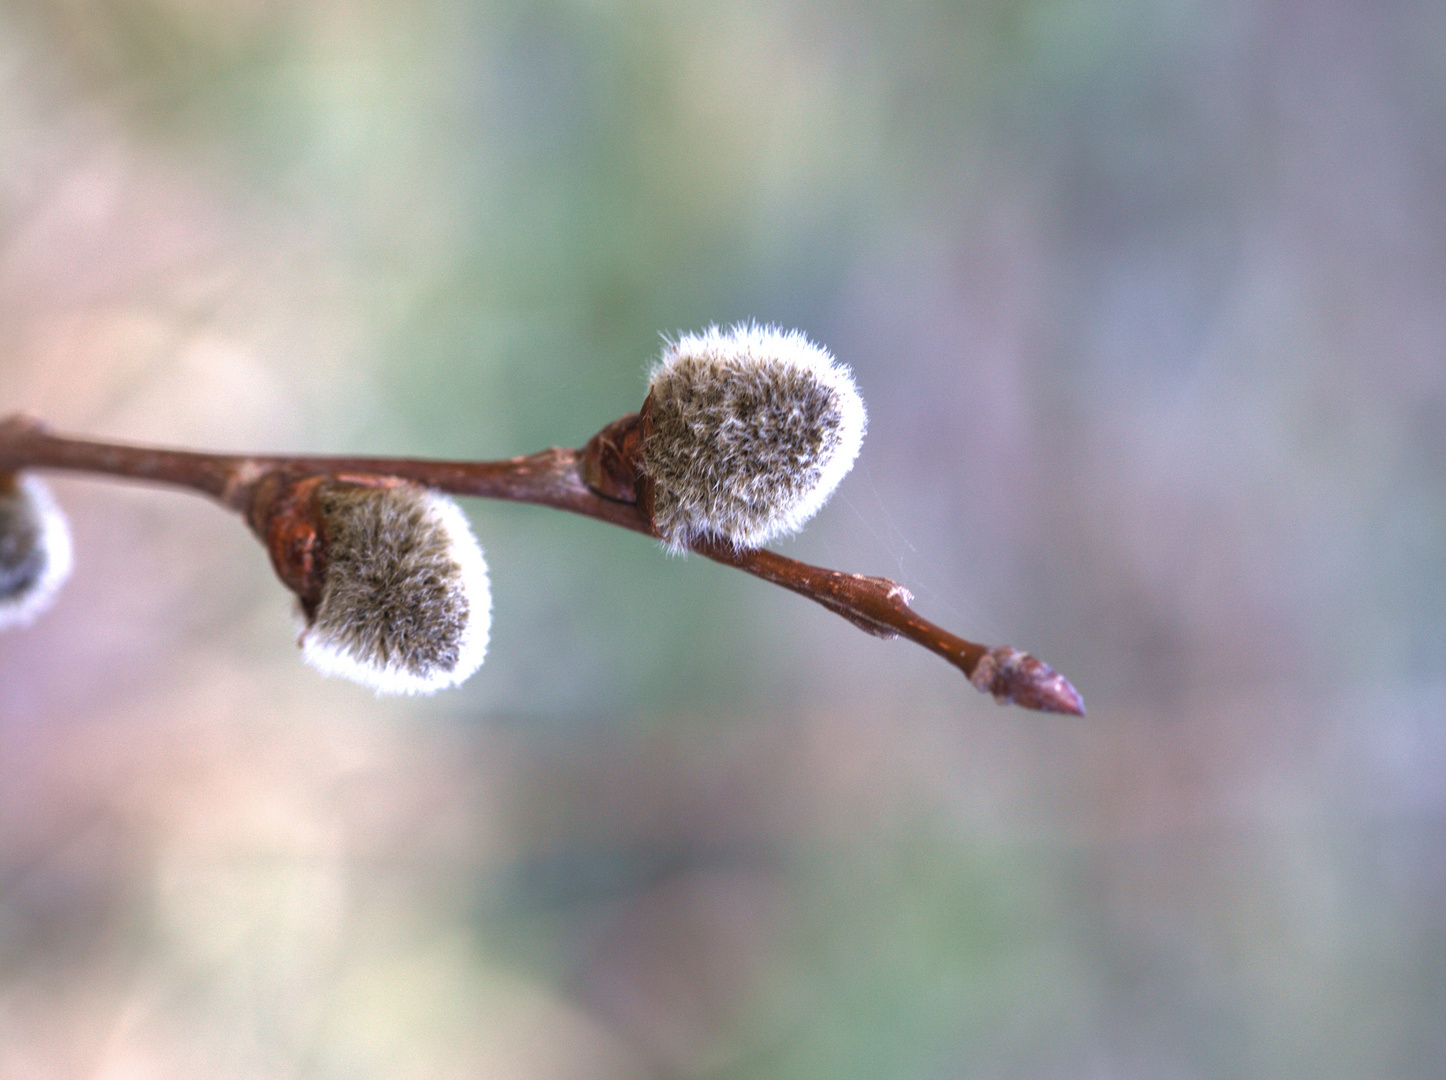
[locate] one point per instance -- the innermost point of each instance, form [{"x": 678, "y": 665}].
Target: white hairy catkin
[
  {"x": 35, "y": 553},
  {"x": 405, "y": 603},
  {"x": 752, "y": 429}
]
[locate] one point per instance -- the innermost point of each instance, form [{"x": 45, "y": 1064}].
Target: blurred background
[{"x": 1148, "y": 304}]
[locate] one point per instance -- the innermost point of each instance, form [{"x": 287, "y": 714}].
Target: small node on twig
[
  {"x": 746, "y": 432},
  {"x": 35, "y": 553},
  {"x": 391, "y": 584}
]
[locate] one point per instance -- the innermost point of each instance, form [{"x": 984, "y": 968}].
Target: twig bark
[{"x": 554, "y": 478}]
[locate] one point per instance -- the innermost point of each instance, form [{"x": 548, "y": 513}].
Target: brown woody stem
[{"x": 553, "y": 478}]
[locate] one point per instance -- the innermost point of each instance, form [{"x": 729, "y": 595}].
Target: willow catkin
[
  {"x": 35, "y": 554},
  {"x": 752, "y": 429},
  {"x": 405, "y": 604}
]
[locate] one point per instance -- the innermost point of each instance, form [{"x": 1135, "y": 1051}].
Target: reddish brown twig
[{"x": 555, "y": 478}]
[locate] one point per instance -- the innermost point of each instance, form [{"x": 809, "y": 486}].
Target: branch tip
[{"x": 1016, "y": 678}]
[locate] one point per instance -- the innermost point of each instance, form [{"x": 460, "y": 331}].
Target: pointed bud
[
  {"x": 35, "y": 555},
  {"x": 392, "y": 583},
  {"x": 747, "y": 432},
  {"x": 1016, "y": 678}
]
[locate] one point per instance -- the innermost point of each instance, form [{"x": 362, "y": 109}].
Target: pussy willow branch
[{"x": 550, "y": 478}]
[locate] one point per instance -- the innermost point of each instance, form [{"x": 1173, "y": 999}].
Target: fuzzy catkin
[
  {"x": 752, "y": 429},
  {"x": 35, "y": 552},
  {"x": 405, "y": 605}
]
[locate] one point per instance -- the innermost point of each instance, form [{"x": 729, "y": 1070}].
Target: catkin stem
[{"x": 550, "y": 478}]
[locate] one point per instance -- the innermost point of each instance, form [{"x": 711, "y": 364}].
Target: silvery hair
[
  {"x": 405, "y": 604},
  {"x": 35, "y": 551},
  {"x": 752, "y": 429}
]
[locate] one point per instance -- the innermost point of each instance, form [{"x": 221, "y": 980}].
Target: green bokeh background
[{"x": 1148, "y": 305}]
